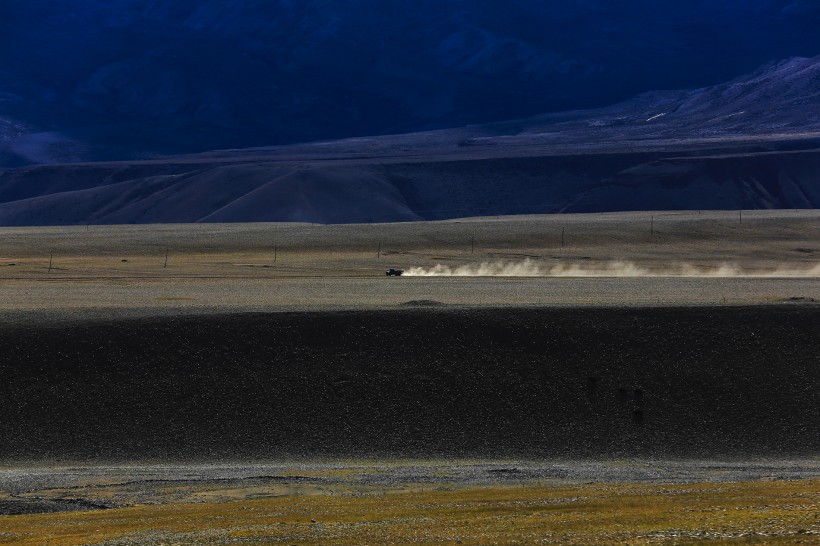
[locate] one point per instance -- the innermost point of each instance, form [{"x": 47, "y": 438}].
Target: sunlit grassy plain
[{"x": 724, "y": 513}]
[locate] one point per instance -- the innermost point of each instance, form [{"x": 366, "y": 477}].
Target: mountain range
[
  {"x": 752, "y": 142},
  {"x": 132, "y": 79}
]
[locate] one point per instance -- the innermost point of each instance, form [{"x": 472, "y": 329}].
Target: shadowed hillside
[
  {"x": 748, "y": 144},
  {"x": 402, "y": 191},
  {"x": 122, "y": 79}
]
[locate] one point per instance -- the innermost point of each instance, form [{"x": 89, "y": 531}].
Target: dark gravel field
[{"x": 688, "y": 382}]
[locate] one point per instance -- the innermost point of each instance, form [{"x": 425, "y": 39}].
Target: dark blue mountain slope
[{"x": 105, "y": 79}]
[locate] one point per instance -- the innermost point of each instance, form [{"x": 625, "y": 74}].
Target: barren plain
[
  {"x": 603, "y": 378},
  {"x": 617, "y": 259}
]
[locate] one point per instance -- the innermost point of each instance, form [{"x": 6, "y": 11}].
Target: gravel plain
[{"x": 109, "y": 271}]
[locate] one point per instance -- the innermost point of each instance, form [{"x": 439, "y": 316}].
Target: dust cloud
[{"x": 617, "y": 268}]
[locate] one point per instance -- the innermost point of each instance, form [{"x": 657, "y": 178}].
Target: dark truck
[{"x": 394, "y": 272}]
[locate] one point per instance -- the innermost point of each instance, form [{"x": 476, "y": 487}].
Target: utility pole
[
  {"x": 379, "y": 251},
  {"x": 50, "y": 261},
  {"x": 166, "y": 259},
  {"x": 274, "y": 253},
  {"x": 562, "y": 237},
  {"x": 652, "y": 226},
  {"x": 472, "y": 245}
]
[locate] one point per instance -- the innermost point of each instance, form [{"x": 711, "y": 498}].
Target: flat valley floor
[
  {"x": 647, "y": 378},
  {"x": 632, "y": 259}
]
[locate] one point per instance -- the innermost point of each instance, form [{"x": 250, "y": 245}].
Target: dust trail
[{"x": 617, "y": 268}]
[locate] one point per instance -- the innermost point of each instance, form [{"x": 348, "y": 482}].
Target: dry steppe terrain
[
  {"x": 749, "y": 257},
  {"x": 323, "y": 509}
]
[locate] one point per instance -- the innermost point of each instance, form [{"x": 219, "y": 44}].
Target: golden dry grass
[{"x": 725, "y": 513}]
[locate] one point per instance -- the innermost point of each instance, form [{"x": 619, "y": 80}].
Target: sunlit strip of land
[
  {"x": 738, "y": 513},
  {"x": 635, "y": 258}
]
